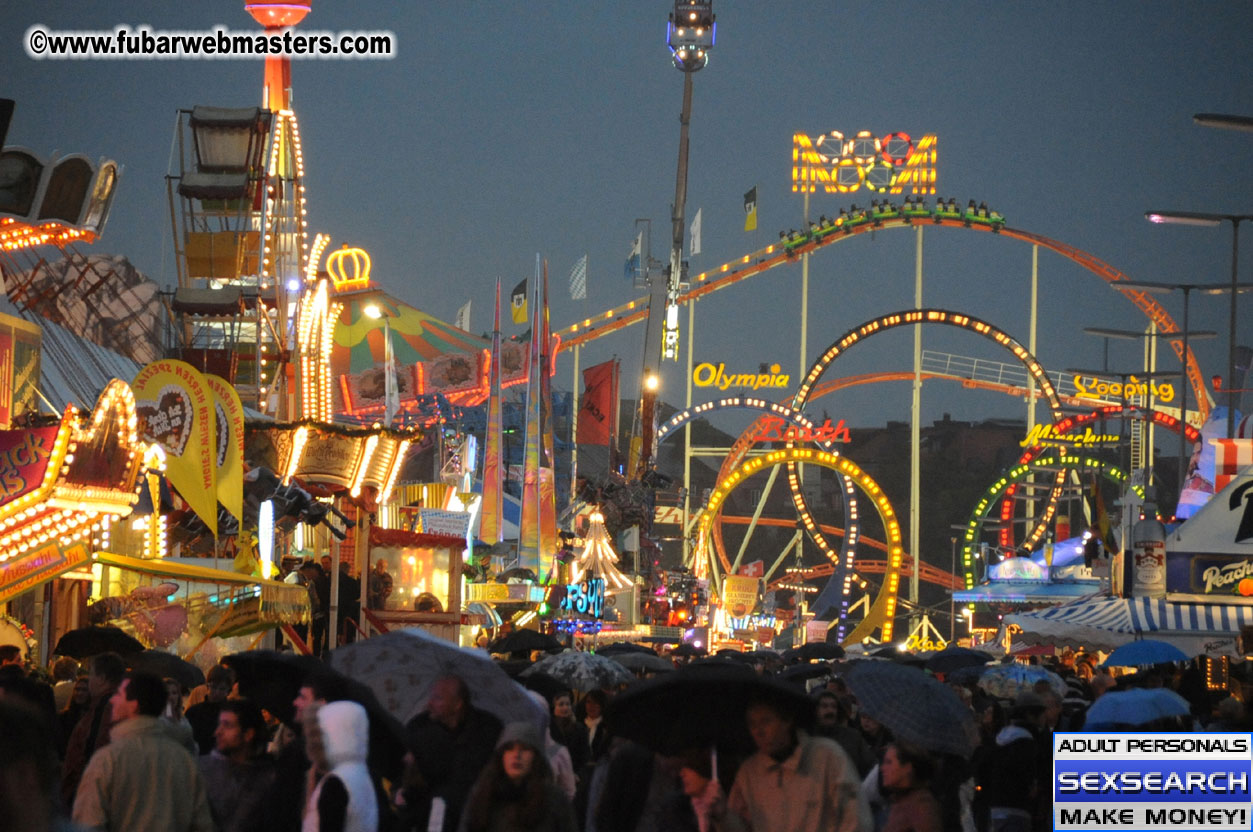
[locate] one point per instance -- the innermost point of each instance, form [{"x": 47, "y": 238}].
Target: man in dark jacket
[
  {"x": 450, "y": 742},
  {"x": 1008, "y": 774},
  {"x": 92, "y": 730},
  {"x": 238, "y": 775}
]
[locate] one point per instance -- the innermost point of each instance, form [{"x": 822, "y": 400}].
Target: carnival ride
[{"x": 842, "y": 566}]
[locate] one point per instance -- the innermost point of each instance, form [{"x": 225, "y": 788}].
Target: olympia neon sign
[
  {"x": 883, "y": 164},
  {"x": 715, "y": 375}
]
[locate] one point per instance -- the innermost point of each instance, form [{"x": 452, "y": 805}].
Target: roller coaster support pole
[
  {"x": 915, "y": 432},
  {"x": 687, "y": 432}
]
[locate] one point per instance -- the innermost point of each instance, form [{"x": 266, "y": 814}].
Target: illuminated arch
[
  {"x": 883, "y": 610},
  {"x": 797, "y": 419},
  {"x": 769, "y": 408},
  {"x": 1064, "y": 428},
  {"x": 1051, "y": 457},
  {"x": 910, "y": 317}
]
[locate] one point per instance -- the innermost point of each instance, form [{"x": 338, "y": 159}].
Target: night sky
[{"x": 503, "y": 129}]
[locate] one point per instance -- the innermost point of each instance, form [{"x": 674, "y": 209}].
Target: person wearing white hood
[{"x": 342, "y": 796}]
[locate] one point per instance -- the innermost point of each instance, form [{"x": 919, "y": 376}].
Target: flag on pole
[
  {"x": 635, "y": 258},
  {"x": 695, "y": 244},
  {"x": 517, "y": 303},
  {"x": 463, "y": 317},
  {"x": 578, "y": 280},
  {"x": 750, "y": 210},
  {"x": 598, "y": 406}
]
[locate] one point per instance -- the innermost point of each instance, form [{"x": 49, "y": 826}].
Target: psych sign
[
  {"x": 885, "y": 165},
  {"x": 715, "y": 375},
  {"x": 1091, "y": 387},
  {"x": 586, "y": 598}
]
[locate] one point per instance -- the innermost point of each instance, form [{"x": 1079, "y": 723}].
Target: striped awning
[{"x": 1105, "y": 623}]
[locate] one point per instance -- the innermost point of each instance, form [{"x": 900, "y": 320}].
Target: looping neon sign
[{"x": 886, "y": 164}]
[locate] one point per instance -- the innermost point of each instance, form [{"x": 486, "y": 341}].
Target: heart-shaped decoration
[{"x": 169, "y": 420}]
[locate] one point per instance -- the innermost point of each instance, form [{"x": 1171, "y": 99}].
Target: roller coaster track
[{"x": 788, "y": 251}]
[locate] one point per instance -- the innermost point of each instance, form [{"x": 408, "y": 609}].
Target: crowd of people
[{"x": 95, "y": 747}]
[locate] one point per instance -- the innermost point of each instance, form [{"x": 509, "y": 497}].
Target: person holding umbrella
[{"x": 795, "y": 782}]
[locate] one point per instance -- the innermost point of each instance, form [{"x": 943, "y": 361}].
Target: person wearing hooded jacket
[
  {"x": 515, "y": 792},
  {"x": 342, "y": 796}
]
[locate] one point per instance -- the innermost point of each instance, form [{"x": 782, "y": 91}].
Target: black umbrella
[
  {"x": 685, "y": 649},
  {"x": 734, "y": 655},
  {"x": 165, "y": 665},
  {"x": 546, "y": 686},
  {"x": 820, "y": 650},
  {"x": 951, "y": 658},
  {"x": 914, "y": 706},
  {"x": 273, "y": 680},
  {"x": 524, "y": 641},
  {"x": 700, "y": 706},
  {"x": 91, "y": 641},
  {"x": 620, "y": 647},
  {"x": 799, "y": 673}
]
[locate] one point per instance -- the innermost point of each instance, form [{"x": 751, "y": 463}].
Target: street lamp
[
  {"x": 1205, "y": 219},
  {"x": 391, "y": 395},
  {"x": 1170, "y": 336}
]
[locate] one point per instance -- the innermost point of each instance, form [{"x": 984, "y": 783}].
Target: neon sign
[
  {"x": 1045, "y": 434},
  {"x": 885, "y": 165},
  {"x": 776, "y": 429},
  {"x": 711, "y": 375},
  {"x": 1095, "y": 388},
  {"x": 586, "y": 598}
]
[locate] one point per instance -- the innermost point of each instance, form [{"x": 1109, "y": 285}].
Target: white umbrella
[
  {"x": 401, "y": 665},
  {"x": 582, "y": 671}
]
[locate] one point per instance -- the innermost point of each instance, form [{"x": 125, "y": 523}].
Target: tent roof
[
  {"x": 1214, "y": 528},
  {"x": 1105, "y": 623}
]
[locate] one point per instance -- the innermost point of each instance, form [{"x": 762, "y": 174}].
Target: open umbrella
[
  {"x": 401, "y": 666},
  {"x": 1006, "y": 681},
  {"x": 1137, "y": 706},
  {"x": 687, "y": 650},
  {"x": 524, "y": 641},
  {"x": 1146, "y": 651},
  {"x": 166, "y": 665},
  {"x": 619, "y": 647},
  {"x": 91, "y": 641},
  {"x": 582, "y": 671},
  {"x": 643, "y": 662},
  {"x": 951, "y": 658},
  {"x": 814, "y": 650},
  {"x": 700, "y": 706},
  {"x": 800, "y": 673},
  {"x": 273, "y": 680},
  {"x": 914, "y": 706}
]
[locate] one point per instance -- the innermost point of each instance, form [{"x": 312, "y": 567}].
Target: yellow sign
[
  {"x": 923, "y": 644},
  {"x": 739, "y": 595},
  {"x": 715, "y": 375},
  {"x": 229, "y": 449},
  {"x": 883, "y": 164},
  {"x": 1091, "y": 387},
  {"x": 175, "y": 408},
  {"x": 349, "y": 269},
  {"x": 31, "y": 569},
  {"x": 1045, "y": 434}
]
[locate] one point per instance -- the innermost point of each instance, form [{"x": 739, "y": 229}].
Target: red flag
[
  {"x": 756, "y": 569},
  {"x": 596, "y": 410}
]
